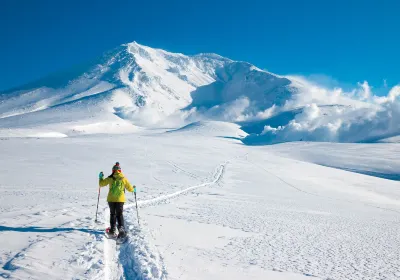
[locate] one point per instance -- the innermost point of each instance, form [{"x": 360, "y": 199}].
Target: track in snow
[
  {"x": 160, "y": 199},
  {"x": 137, "y": 259}
]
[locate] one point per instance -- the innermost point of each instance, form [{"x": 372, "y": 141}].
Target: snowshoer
[{"x": 116, "y": 197}]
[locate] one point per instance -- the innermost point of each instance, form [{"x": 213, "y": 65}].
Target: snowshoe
[
  {"x": 122, "y": 240},
  {"x": 122, "y": 236},
  {"x": 111, "y": 234}
]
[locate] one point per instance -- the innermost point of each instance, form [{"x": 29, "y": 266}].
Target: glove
[{"x": 101, "y": 175}]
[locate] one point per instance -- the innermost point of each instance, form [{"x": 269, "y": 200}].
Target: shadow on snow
[{"x": 44, "y": 229}]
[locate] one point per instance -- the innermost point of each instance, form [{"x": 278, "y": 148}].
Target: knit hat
[{"x": 116, "y": 167}]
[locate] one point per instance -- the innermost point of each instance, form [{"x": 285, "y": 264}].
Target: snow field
[{"x": 210, "y": 208}]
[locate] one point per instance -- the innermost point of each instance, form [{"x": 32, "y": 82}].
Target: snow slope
[
  {"x": 394, "y": 139},
  {"x": 213, "y": 128},
  {"x": 362, "y": 158},
  {"x": 209, "y": 207}
]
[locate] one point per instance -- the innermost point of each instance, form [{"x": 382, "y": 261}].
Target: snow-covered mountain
[
  {"x": 135, "y": 86},
  {"x": 206, "y": 206},
  {"x": 132, "y": 82}
]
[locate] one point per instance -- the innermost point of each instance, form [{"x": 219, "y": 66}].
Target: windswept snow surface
[{"x": 209, "y": 207}]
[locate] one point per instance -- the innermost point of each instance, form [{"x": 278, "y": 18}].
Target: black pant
[{"x": 116, "y": 214}]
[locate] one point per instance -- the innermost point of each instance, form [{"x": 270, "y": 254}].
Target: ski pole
[
  {"x": 137, "y": 210},
  {"x": 97, "y": 208}
]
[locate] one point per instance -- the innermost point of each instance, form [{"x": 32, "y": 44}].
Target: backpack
[{"x": 117, "y": 187}]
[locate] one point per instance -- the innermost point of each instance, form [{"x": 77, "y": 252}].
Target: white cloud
[
  {"x": 322, "y": 114},
  {"x": 378, "y": 117},
  {"x": 365, "y": 92}
]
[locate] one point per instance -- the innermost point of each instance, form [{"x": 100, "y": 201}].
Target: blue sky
[{"x": 335, "y": 42}]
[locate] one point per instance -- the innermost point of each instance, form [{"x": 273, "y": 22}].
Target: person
[{"x": 116, "y": 197}]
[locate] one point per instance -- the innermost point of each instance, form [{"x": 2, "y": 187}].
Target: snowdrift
[{"x": 211, "y": 128}]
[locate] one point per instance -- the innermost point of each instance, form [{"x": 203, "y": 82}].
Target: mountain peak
[
  {"x": 134, "y": 80},
  {"x": 136, "y": 85}
]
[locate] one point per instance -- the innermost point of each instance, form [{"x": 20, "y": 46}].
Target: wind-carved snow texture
[
  {"x": 137, "y": 259},
  {"x": 136, "y": 86},
  {"x": 61, "y": 238}
]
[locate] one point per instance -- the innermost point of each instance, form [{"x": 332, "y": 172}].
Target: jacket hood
[{"x": 118, "y": 175}]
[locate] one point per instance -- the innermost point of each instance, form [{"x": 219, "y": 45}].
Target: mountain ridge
[{"x": 138, "y": 86}]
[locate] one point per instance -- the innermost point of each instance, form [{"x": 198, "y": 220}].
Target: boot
[{"x": 121, "y": 232}]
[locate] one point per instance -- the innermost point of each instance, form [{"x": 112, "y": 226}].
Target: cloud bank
[
  {"x": 333, "y": 115},
  {"x": 337, "y": 116}
]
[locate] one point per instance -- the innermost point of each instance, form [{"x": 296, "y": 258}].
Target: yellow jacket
[{"x": 117, "y": 183}]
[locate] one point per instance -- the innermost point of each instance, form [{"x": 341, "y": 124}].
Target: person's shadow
[{"x": 44, "y": 229}]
